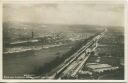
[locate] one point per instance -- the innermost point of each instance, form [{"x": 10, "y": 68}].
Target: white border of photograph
[{"x": 52, "y": 1}]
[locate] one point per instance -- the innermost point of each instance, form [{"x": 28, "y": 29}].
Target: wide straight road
[{"x": 73, "y": 64}]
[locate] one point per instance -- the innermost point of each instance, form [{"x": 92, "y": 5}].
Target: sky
[{"x": 90, "y": 13}]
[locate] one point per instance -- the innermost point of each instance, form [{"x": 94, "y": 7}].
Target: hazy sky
[{"x": 66, "y": 13}]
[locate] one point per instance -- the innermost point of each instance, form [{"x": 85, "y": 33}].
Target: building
[{"x": 97, "y": 67}]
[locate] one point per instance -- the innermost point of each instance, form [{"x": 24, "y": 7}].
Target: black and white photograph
[{"x": 63, "y": 40}]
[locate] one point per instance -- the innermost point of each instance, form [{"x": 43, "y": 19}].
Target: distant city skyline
[{"x": 104, "y": 14}]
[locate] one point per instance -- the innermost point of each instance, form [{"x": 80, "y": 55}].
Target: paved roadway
[{"x": 73, "y": 64}]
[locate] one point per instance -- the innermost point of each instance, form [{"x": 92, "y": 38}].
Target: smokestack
[{"x": 32, "y": 34}]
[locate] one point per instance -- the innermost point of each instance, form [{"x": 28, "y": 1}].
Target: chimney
[{"x": 32, "y": 34}]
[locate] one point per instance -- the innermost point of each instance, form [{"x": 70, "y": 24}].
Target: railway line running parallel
[{"x": 74, "y": 63}]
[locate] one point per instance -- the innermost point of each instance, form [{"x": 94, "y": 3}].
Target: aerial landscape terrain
[
  {"x": 33, "y": 55},
  {"x": 50, "y": 42}
]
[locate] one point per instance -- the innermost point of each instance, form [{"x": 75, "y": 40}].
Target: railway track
[{"x": 73, "y": 64}]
